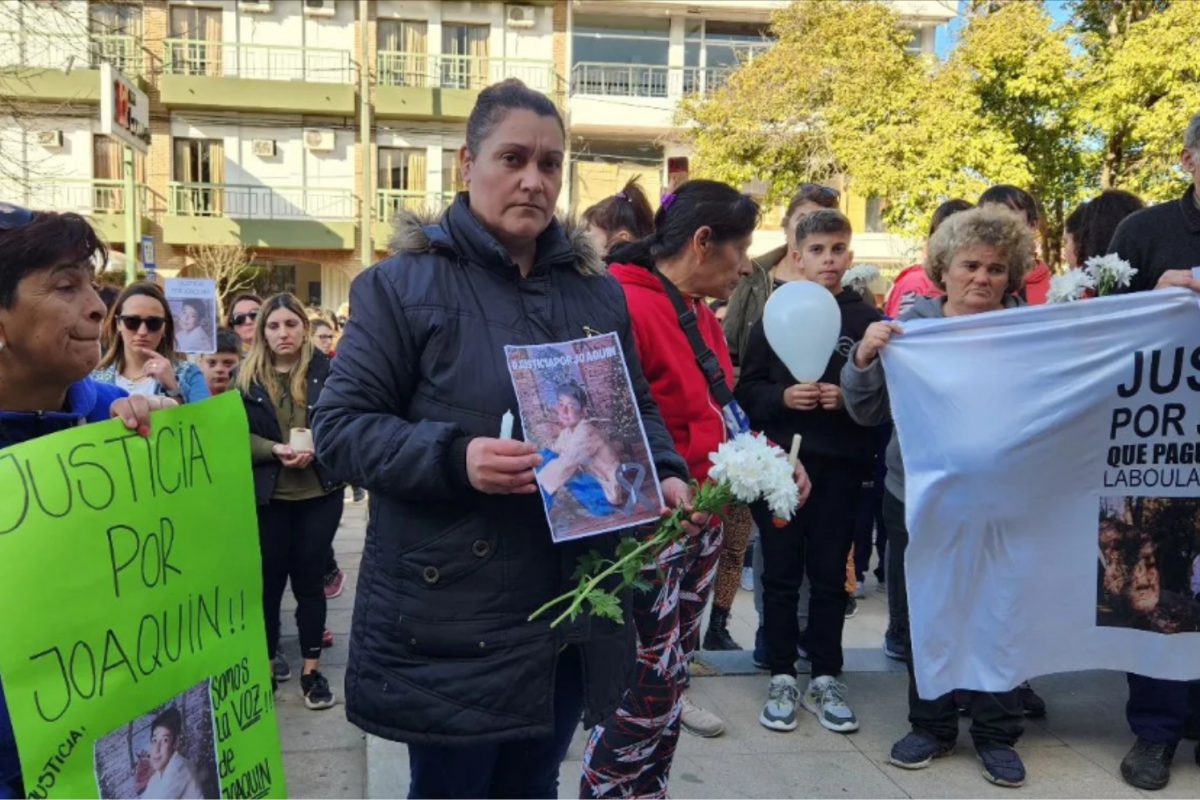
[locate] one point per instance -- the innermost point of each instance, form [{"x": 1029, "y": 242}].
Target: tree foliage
[
  {"x": 1060, "y": 110},
  {"x": 229, "y": 265}
]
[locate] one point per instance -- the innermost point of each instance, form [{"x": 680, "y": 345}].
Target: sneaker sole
[
  {"x": 776, "y": 724},
  {"x": 844, "y": 727},
  {"x": 1150, "y": 786},
  {"x": 711, "y": 733},
  {"x": 893, "y": 655},
  {"x": 992, "y": 779},
  {"x": 912, "y": 765},
  {"x": 320, "y": 705}
]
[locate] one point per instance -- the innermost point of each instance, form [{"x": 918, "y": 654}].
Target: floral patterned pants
[{"x": 630, "y": 753}]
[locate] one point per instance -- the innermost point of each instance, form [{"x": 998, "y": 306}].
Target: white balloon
[{"x": 802, "y": 322}]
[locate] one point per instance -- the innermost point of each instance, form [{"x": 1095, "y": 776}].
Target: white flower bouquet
[
  {"x": 746, "y": 469},
  {"x": 1100, "y": 274}
]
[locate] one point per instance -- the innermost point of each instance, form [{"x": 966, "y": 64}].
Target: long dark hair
[
  {"x": 694, "y": 205},
  {"x": 627, "y": 210},
  {"x": 1100, "y": 219},
  {"x": 115, "y": 356}
]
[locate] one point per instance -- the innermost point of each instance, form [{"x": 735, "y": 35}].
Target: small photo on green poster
[{"x": 168, "y": 753}]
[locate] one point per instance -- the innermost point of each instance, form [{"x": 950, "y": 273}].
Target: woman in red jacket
[{"x": 698, "y": 250}]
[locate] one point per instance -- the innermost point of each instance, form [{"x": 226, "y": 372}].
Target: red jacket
[
  {"x": 910, "y": 284},
  {"x": 676, "y": 381},
  {"x": 1037, "y": 284}
]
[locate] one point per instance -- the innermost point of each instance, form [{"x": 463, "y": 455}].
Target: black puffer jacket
[
  {"x": 264, "y": 422},
  {"x": 441, "y": 651}
]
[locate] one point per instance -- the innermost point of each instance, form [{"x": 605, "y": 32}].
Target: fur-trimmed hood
[{"x": 457, "y": 229}]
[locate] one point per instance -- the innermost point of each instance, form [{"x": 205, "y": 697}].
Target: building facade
[{"x": 298, "y": 128}]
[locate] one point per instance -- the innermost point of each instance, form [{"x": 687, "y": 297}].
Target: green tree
[{"x": 1062, "y": 111}]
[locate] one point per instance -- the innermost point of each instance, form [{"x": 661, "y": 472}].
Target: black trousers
[
  {"x": 816, "y": 542},
  {"x": 294, "y": 537},
  {"x": 868, "y": 521},
  {"x": 523, "y": 768},
  {"x": 995, "y": 716}
]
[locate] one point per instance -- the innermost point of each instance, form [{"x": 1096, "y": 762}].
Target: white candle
[
  {"x": 794, "y": 455},
  {"x": 301, "y": 440},
  {"x": 506, "y": 425}
]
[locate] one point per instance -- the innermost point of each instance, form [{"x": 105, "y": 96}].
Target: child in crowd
[
  {"x": 218, "y": 367},
  {"x": 838, "y": 454}
]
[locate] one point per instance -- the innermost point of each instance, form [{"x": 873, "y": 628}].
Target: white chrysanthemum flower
[
  {"x": 1109, "y": 272},
  {"x": 1069, "y": 286},
  {"x": 754, "y": 469}
]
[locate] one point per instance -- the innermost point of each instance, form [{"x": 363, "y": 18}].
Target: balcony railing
[
  {"x": 429, "y": 71},
  {"x": 88, "y": 196},
  {"x": 388, "y": 202},
  {"x": 634, "y": 80},
  {"x": 24, "y": 48},
  {"x": 260, "y": 202},
  {"x": 261, "y": 61}
]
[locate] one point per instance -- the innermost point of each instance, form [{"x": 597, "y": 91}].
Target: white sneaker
[
  {"x": 825, "y": 698},
  {"x": 748, "y": 579},
  {"x": 779, "y": 713},
  {"x": 700, "y": 721}
]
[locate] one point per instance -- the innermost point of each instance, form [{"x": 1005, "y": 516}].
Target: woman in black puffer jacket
[{"x": 458, "y": 552}]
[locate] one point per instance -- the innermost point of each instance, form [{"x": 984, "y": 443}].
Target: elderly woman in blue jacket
[
  {"x": 50, "y": 325},
  {"x": 458, "y": 552}
]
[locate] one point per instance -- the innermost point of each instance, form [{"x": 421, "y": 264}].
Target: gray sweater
[{"x": 865, "y": 391}]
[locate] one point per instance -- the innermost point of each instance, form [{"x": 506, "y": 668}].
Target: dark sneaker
[
  {"x": 1034, "y": 706},
  {"x": 760, "y": 649},
  {"x": 1147, "y": 765},
  {"x": 897, "y": 651},
  {"x": 317, "y": 694},
  {"x": 280, "y": 669},
  {"x": 326, "y": 639},
  {"x": 917, "y": 750},
  {"x": 1001, "y": 765},
  {"x": 335, "y": 582},
  {"x": 359, "y": 494},
  {"x": 851, "y": 607}
]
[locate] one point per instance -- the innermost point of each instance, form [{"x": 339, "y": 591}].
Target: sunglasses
[
  {"x": 242, "y": 319},
  {"x": 133, "y": 323},
  {"x": 14, "y": 217}
]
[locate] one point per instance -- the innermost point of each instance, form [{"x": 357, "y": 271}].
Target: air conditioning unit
[
  {"x": 319, "y": 141},
  {"x": 53, "y": 139},
  {"x": 255, "y": 6},
  {"x": 264, "y": 148},
  {"x": 319, "y": 8},
  {"x": 520, "y": 16}
]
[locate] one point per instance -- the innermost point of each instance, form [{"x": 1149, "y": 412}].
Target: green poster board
[{"x": 134, "y": 658}]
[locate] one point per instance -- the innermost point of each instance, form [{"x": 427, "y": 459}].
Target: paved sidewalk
[{"x": 1074, "y": 752}]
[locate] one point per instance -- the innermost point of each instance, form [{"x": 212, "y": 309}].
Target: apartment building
[{"x": 299, "y": 127}]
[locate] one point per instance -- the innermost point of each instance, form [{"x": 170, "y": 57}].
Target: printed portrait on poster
[
  {"x": 577, "y": 405},
  {"x": 193, "y": 303},
  {"x": 168, "y": 753},
  {"x": 1149, "y": 565}
]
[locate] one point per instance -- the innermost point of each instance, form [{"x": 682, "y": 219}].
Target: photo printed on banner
[
  {"x": 1149, "y": 568},
  {"x": 577, "y": 405},
  {"x": 168, "y": 753},
  {"x": 193, "y": 303}
]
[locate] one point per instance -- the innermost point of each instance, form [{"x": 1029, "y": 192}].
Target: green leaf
[{"x": 606, "y": 606}]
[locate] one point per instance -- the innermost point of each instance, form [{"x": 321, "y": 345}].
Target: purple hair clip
[{"x": 667, "y": 200}]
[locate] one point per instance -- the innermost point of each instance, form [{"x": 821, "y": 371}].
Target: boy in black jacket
[{"x": 837, "y": 453}]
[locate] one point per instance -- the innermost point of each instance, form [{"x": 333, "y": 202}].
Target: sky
[{"x": 947, "y": 35}]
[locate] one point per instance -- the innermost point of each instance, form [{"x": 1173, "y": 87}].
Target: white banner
[{"x": 1052, "y": 460}]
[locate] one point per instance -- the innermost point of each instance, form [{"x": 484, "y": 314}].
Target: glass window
[
  {"x": 402, "y": 169},
  {"x": 597, "y": 40},
  {"x": 452, "y": 181},
  {"x": 464, "y": 56}
]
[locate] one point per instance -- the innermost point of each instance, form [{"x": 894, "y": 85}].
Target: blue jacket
[
  {"x": 87, "y": 401},
  {"x": 192, "y": 386},
  {"x": 440, "y": 649}
]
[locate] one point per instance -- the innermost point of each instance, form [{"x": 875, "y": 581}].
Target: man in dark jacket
[
  {"x": 839, "y": 452},
  {"x": 442, "y": 652},
  {"x": 1162, "y": 243}
]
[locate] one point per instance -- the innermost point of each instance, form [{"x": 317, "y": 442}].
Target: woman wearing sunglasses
[
  {"x": 141, "y": 359},
  {"x": 243, "y": 316}
]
